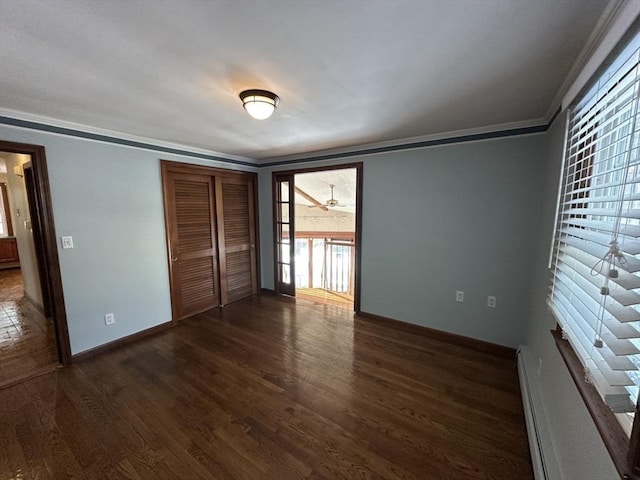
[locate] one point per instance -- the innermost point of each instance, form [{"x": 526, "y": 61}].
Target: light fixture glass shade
[{"x": 260, "y": 104}]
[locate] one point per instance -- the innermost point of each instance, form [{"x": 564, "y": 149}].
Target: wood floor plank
[{"x": 268, "y": 389}]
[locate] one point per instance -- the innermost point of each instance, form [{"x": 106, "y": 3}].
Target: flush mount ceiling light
[{"x": 260, "y": 104}]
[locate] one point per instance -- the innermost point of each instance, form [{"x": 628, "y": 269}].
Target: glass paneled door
[{"x": 284, "y": 234}]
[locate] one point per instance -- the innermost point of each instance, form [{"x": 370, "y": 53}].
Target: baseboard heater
[{"x": 535, "y": 421}]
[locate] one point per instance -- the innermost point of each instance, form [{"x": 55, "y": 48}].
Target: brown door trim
[
  {"x": 189, "y": 168},
  {"x": 280, "y": 287},
  {"x": 35, "y": 215},
  {"x": 358, "y": 262},
  {"x": 44, "y": 209}
]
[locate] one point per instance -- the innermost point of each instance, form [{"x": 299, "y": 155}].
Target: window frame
[{"x": 623, "y": 449}]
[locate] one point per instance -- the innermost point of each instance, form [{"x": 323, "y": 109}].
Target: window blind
[{"x": 595, "y": 291}]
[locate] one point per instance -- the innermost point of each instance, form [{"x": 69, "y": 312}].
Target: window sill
[{"x": 616, "y": 441}]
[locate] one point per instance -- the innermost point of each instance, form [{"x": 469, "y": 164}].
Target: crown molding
[
  {"x": 527, "y": 127},
  {"x": 612, "y": 26},
  {"x": 604, "y": 23},
  {"x": 18, "y": 119}
]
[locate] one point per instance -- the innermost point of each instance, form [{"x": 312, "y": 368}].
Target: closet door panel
[
  {"x": 236, "y": 237},
  {"x": 190, "y": 221}
]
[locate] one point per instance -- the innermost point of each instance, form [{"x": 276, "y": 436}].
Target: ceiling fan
[{"x": 332, "y": 202}]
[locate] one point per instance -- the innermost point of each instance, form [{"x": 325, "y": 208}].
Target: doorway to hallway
[{"x": 34, "y": 337}]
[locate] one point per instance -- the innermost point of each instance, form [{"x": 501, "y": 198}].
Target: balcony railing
[{"x": 326, "y": 263}]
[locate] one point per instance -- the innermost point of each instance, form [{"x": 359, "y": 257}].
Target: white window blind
[{"x": 595, "y": 293}]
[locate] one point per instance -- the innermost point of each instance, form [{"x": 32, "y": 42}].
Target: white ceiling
[
  {"x": 348, "y": 72},
  {"x": 317, "y": 185}
]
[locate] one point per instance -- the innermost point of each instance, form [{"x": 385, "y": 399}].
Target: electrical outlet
[
  {"x": 491, "y": 301},
  {"x": 459, "y": 296},
  {"x": 109, "y": 319}
]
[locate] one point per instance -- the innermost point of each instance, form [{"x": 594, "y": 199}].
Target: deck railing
[{"x": 326, "y": 263}]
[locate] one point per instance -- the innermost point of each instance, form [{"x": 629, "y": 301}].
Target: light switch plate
[
  {"x": 491, "y": 301},
  {"x": 67, "y": 242}
]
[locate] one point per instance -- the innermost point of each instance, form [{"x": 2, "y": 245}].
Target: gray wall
[
  {"x": 577, "y": 446},
  {"x": 109, "y": 198},
  {"x": 441, "y": 219}
]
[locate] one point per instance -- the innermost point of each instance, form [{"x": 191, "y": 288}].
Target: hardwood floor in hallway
[
  {"x": 271, "y": 389},
  {"x": 27, "y": 339}
]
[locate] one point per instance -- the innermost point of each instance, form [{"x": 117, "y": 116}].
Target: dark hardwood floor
[
  {"x": 27, "y": 339},
  {"x": 271, "y": 389}
]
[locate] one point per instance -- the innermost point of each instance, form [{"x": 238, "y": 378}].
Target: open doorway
[
  {"x": 325, "y": 236},
  {"x": 33, "y": 334},
  {"x": 317, "y": 219}
]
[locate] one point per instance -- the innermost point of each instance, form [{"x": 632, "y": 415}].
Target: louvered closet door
[
  {"x": 236, "y": 238},
  {"x": 190, "y": 211}
]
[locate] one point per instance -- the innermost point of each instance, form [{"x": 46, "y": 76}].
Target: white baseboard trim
[{"x": 545, "y": 466}]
